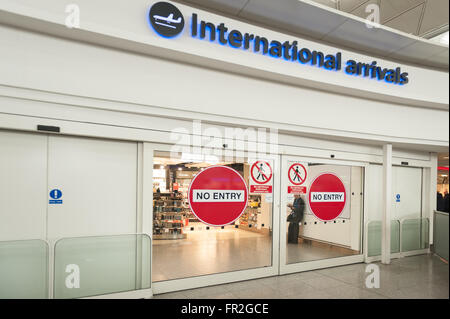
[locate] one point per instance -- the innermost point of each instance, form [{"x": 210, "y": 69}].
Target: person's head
[{"x": 296, "y": 196}]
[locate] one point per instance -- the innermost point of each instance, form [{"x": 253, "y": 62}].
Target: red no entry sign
[
  {"x": 327, "y": 197},
  {"x": 297, "y": 174},
  {"x": 218, "y": 195}
]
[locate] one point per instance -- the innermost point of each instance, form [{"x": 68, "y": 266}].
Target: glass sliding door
[
  {"x": 322, "y": 213},
  {"x": 186, "y": 248}
]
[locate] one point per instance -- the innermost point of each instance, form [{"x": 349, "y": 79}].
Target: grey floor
[
  {"x": 302, "y": 252},
  {"x": 418, "y": 277}
]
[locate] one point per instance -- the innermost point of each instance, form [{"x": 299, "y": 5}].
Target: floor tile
[
  {"x": 205, "y": 292},
  {"x": 171, "y": 295},
  {"x": 351, "y": 292},
  {"x": 418, "y": 277},
  {"x": 323, "y": 283}
]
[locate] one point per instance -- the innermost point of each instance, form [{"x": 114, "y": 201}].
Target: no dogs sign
[
  {"x": 327, "y": 197},
  {"x": 218, "y": 195}
]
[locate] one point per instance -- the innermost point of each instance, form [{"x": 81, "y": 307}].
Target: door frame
[
  {"x": 324, "y": 263},
  {"x": 210, "y": 279}
]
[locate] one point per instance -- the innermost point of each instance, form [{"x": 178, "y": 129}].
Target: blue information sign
[{"x": 55, "y": 195}]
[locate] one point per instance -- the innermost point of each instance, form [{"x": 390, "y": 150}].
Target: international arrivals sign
[{"x": 169, "y": 22}]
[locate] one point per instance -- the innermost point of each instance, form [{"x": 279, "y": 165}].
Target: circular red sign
[
  {"x": 296, "y": 177},
  {"x": 327, "y": 197},
  {"x": 263, "y": 172},
  {"x": 218, "y": 195}
]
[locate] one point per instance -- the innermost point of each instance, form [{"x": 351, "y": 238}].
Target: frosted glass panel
[
  {"x": 415, "y": 234},
  {"x": 441, "y": 234},
  {"x": 374, "y": 237},
  {"x": 89, "y": 266},
  {"x": 24, "y": 269},
  {"x": 395, "y": 236}
]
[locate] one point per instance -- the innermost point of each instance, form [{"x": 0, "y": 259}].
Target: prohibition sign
[
  {"x": 260, "y": 169},
  {"x": 218, "y": 195},
  {"x": 295, "y": 174}
]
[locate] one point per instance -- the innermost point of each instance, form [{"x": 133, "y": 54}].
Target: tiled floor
[
  {"x": 424, "y": 276},
  {"x": 217, "y": 251},
  {"x": 209, "y": 252}
]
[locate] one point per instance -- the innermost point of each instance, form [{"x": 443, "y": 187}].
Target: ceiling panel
[
  {"x": 379, "y": 41},
  {"x": 407, "y": 22},
  {"x": 361, "y": 10},
  {"x": 313, "y": 22},
  {"x": 350, "y": 5},
  {"x": 403, "y": 15},
  {"x": 298, "y": 17},
  {"x": 436, "y": 15},
  {"x": 443, "y": 159},
  {"x": 392, "y": 8},
  {"x": 227, "y": 6}
]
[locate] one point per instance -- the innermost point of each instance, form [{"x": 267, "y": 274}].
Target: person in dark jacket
[
  {"x": 440, "y": 202},
  {"x": 294, "y": 218},
  {"x": 446, "y": 202}
]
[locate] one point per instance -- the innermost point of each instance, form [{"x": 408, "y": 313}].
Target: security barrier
[
  {"x": 82, "y": 267},
  {"x": 374, "y": 237},
  {"x": 78, "y": 267},
  {"x": 441, "y": 234},
  {"x": 414, "y": 234},
  {"x": 408, "y": 236},
  {"x": 24, "y": 271}
]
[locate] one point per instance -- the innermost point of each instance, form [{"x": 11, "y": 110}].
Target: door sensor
[{"x": 47, "y": 128}]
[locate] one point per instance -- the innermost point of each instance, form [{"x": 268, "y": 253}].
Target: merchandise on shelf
[{"x": 169, "y": 216}]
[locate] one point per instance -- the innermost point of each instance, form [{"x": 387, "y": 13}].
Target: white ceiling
[
  {"x": 342, "y": 23},
  {"x": 443, "y": 159}
]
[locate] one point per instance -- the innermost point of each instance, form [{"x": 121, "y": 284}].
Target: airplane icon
[{"x": 168, "y": 20}]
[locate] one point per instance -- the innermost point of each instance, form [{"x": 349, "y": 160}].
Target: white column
[
  {"x": 387, "y": 195},
  {"x": 432, "y": 188}
]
